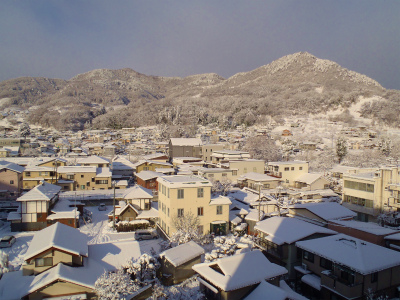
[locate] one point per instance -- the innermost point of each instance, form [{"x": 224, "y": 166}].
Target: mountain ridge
[{"x": 299, "y": 82}]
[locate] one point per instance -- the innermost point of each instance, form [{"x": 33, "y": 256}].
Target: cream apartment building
[
  {"x": 182, "y": 195},
  {"x": 288, "y": 171},
  {"x": 369, "y": 194}
]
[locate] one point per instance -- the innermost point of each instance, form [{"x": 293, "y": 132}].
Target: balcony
[{"x": 338, "y": 286}]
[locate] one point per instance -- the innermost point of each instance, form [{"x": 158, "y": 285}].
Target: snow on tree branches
[
  {"x": 115, "y": 285},
  {"x": 143, "y": 269},
  {"x": 187, "y": 229},
  {"x": 341, "y": 148}
]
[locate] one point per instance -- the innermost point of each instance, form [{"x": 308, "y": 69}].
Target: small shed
[{"x": 176, "y": 263}]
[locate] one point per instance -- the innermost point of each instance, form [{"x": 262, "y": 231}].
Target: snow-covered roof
[
  {"x": 93, "y": 159},
  {"x": 264, "y": 289},
  {"x": 183, "y": 253},
  {"x": 11, "y": 166},
  {"x": 186, "y": 142},
  {"x": 327, "y": 210},
  {"x": 308, "y": 178},
  {"x": 281, "y": 230},
  {"x": 258, "y": 177},
  {"x": 59, "y": 236},
  {"x": 358, "y": 255},
  {"x": 240, "y": 270},
  {"x": 369, "y": 227},
  {"x": 312, "y": 280},
  {"x": 395, "y": 237},
  {"x": 255, "y": 215},
  {"x": 220, "y": 200},
  {"x": 138, "y": 192},
  {"x": 179, "y": 181},
  {"x": 147, "y": 175},
  {"x": 103, "y": 172},
  {"x": 152, "y": 213},
  {"x": 44, "y": 191}
]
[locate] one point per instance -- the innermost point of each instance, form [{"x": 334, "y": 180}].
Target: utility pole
[
  {"x": 259, "y": 201},
  {"x": 114, "y": 207}
]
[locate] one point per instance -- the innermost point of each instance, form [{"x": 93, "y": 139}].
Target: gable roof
[
  {"x": 309, "y": 178},
  {"x": 44, "y": 192},
  {"x": 138, "y": 192},
  {"x": 183, "y": 253},
  {"x": 11, "y": 166},
  {"x": 93, "y": 159},
  {"x": 326, "y": 210},
  {"x": 281, "y": 230},
  {"x": 121, "y": 211},
  {"x": 239, "y": 270},
  {"x": 358, "y": 255},
  {"x": 59, "y": 236}
]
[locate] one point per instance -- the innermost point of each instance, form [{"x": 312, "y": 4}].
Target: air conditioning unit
[{"x": 304, "y": 266}]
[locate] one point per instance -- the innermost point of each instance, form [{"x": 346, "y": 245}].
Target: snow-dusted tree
[
  {"x": 262, "y": 147},
  {"x": 385, "y": 145},
  {"x": 24, "y": 130},
  {"x": 187, "y": 290},
  {"x": 4, "y": 266},
  {"x": 115, "y": 285},
  {"x": 288, "y": 147},
  {"x": 187, "y": 229},
  {"x": 222, "y": 187},
  {"x": 341, "y": 148},
  {"x": 143, "y": 269}
]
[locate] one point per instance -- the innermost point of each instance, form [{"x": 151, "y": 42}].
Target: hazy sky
[{"x": 60, "y": 39}]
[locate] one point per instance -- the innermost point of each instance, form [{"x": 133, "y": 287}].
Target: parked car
[
  {"x": 145, "y": 235},
  {"x": 7, "y": 241},
  {"x": 102, "y": 206}
]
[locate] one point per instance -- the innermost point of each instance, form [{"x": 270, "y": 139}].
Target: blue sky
[{"x": 60, "y": 39}]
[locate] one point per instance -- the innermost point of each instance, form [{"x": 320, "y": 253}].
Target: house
[
  {"x": 11, "y": 183},
  {"x": 245, "y": 166},
  {"x": 148, "y": 180},
  {"x": 320, "y": 213},
  {"x": 85, "y": 177},
  {"x": 191, "y": 195},
  {"x": 223, "y": 156},
  {"x": 148, "y": 165},
  {"x": 94, "y": 161},
  {"x": 278, "y": 236},
  {"x": 287, "y": 171},
  {"x": 35, "y": 207},
  {"x": 370, "y": 194},
  {"x": 176, "y": 263},
  {"x": 344, "y": 267},
  {"x": 255, "y": 180},
  {"x": 60, "y": 265},
  {"x": 217, "y": 174},
  {"x": 122, "y": 167},
  {"x": 185, "y": 147},
  {"x": 283, "y": 292},
  {"x": 311, "y": 181},
  {"x": 209, "y": 149},
  {"x": 234, "y": 277},
  {"x": 367, "y": 231}
]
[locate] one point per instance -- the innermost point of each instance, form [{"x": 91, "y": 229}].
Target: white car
[
  {"x": 7, "y": 241},
  {"x": 102, "y": 207}
]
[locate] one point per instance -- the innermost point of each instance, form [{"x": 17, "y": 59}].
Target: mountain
[{"x": 295, "y": 84}]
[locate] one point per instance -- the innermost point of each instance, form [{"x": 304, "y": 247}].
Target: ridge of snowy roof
[
  {"x": 326, "y": 210},
  {"x": 183, "y": 253},
  {"x": 44, "y": 191},
  {"x": 93, "y": 159},
  {"x": 59, "y": 236},
  {"x": 358, "y": 255},
  {"x": 264, "y": 289},
  {"x": 138, "y": 192},
  {"x": 11, "y": 166}
]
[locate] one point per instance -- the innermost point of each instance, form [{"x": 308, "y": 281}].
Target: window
[
  {"x": 101, "y": 181},
  {"x": 300, "y": 168},
  {"x": 43, "y": 262},
  {"x": 286, "y": 168},
  {"x": 292, "y": 168},
  {"x": 181, "y": 194},
  {"x": 374, "y": 277},
  {"x": 168, "y": 211},
  {"x": 145, "y": 168},
  {"x": 28, "y": 174},
  {"x": 234, "y": 172},
  {"x": 245, "y": 170},
  {"x": 70, "y": 176},
  {"x": 308, "y": 256},
  {"x": 83, "y": 187},
  {"x": 11, "y": 181},
  {"x": 347, "y": 275},
  {"x": 210, "y": 175},
  {"x": 82, "y": 175},
  {"x": 326, "y": 264},
  {"x": 224, "y": 175},
  {"x": 180, "y": 212},
  {"x": 200, "y": 193},
  {"x": 219, "y": 209},
  {"x": 200, "y": 211}
]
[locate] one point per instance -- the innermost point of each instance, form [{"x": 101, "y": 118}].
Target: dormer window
[{"x": 43, "y": 262}]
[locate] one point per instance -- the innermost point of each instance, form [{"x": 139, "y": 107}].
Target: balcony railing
[{"x": 340, "y": 287}]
